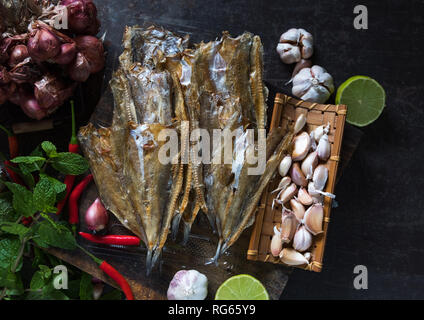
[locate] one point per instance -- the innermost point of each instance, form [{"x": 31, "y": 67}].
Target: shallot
[
  {"x": 43, "y": 45},
  {"x": 96, "y": 217},
  {"x": 188, "y": 285}
]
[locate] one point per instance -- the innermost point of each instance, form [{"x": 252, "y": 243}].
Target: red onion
[
  {"x": 25, "y": 73},
  {"x": 67, "y": 53},
  {"x": 79, "y": 69},
  {"x": 82, "y": 16},
  {"x": 43, "y": 45},
  {"x": 96, "y": 217},
  {"x": 51, "y": 92},
  {"x": 31, "y": 108},
  {"x": 92, "y": 49},
  {"x": 4, "y": 76},
  {"x": 19, "y": 53}
]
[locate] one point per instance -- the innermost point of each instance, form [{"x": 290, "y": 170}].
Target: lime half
[
  {"x": 365, "y": 99},
  {"x": 242, "y": 287}
]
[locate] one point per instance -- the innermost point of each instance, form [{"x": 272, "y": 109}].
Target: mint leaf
[
  {"x": 9, "y": 251},
  {"x": 26, "y": 174},
  {"x": 44, "y": 195},
  {"x": 22, "y": 199},
  {"x": 15, "y": 228},
  {"x": 86, "y": 287},
  {"x": 59, "y": 187},
  {"x": 49, "y": 148},
  {"x": 38, "y": 281},
  {"x": 28, "y": 159},
  {"x": 55, "y": 236},
  {"x": 70, "y": 163},
  {"x": 6, "y": 211}
]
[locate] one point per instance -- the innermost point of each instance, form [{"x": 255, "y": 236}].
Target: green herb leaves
[
  {"x": 69, "y": 163},
  {"x": 22, "y": 199}
]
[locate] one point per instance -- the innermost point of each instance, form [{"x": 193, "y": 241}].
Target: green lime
[
  {"x": 365, "y": 99},
  {"x": 242, "y": 287}
]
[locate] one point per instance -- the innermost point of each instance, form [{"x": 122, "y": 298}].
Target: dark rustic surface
[{"x": 379, "y": 219}]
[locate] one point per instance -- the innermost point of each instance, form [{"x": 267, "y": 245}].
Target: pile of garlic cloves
[{"x": 300, "y": 194}]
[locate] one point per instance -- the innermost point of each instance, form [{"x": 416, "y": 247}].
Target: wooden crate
[{"x": 286, "y": 110}]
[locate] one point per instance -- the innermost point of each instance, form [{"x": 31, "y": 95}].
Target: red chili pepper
[
  {"x": 113, "y": 273},
  {"x": 74, "y": 197},
  {"x": 14, "y": 177},
  {"x": 122, "y": 240},
  {"x": 13, "y": 143},
  {"x": 69, "y": 179},
  {"x": 119, "y": 279}
]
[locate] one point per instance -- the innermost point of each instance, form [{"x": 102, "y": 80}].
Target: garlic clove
[
  {"x": 284, "y": 166},
  {"x": 302, "y": 240},
  {"x": 288, "y": 193},
  {"x": 289, "y": 225},
  {"x": 302, "y": 144},
  {"x": 309, "y": 164},
  {"x": 292, "y": 258},
  {"x": 276, "y": 243},
  {"x": 304, "y": 197},
  {"x": 320, "y": 177},
  {"x": 324, "y": 148},
  {"x": 318, "y": 198},
  {"x": 297, "y": 175},
  {"x": 313, "y": 218},
  {"x": 284, "y": 183},
  {"x": 307, "y": 256},
  {"x": 297, "y": 208},
  {"x": 320, "y": 131},
  {"x": 300, "y": 123}
]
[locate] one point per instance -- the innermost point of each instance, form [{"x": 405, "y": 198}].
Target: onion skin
[
  {"x": 96, "y": 216},
  {"x": 19, "y": 53},
  {"x": 31, "y": 108},
  {"x": 82, "y": 17},
  {"x": 4, "y": 76},
  {"x": 79, "y": 69},
  {"x": 92, "y": 49},
  {"x": 67, "y": 54},
  {"x": 43, "y": 45},
  {"x": 51, "y": 92}
]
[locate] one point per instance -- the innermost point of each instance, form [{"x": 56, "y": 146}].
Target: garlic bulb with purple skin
[
  {"x": 313, "y": 84},
  {"x": 96, "y": 216},
  {"x": 188, "y": 285},
  {"x": 294, "y": 45}
]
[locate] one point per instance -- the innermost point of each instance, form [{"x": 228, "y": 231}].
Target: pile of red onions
[{"x": 39, "y": 70}]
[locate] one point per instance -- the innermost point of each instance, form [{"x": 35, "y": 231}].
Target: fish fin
[
  {"x": 175, "y": 225},
  {"x": 149, "y": 265},
  {"x": 187, "y": 229}
]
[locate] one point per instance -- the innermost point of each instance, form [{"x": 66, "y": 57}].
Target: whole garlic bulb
[
  {"x": 313, "y": 84},
  {"x": 294, "y": 45},
  {"x": 188, "y": 285}
]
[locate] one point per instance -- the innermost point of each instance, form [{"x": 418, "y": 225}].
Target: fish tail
[
  {"x": 218, "y": 252},
  {"x": 156, "y": 256},
  {"x": 175, "y": 226},
  {"x": 149, "y": 265},
  {"x": 187, "y": 229}
]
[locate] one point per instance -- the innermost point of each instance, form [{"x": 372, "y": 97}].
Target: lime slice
[
  {"x": 242, "y": 287},
  {"x": 365, "y": 99}
]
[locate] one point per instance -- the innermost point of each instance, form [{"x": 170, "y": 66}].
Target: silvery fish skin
[
  {"x": 143, "y": 107},
  {"x": 224, "y": 90}
]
